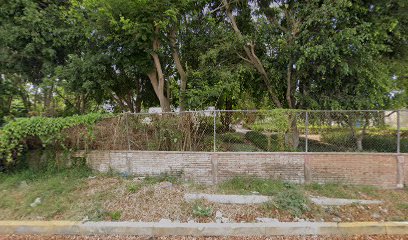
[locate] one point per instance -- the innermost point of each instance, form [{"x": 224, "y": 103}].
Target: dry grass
[
  {"x": 109, "y": 197},
  {"x": 372, "y": 237}
]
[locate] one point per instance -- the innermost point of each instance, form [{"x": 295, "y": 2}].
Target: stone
[
  {"x": 218, "y": 214},
  {"x": 191, "y": 221},
  {"x": 225, "y": 220},
  {"x": 91, "y": 177},
  {"x": 85, "y": 219},
  {"x": 266, "y": 220},
  {"x": 336, "y": 219},
  {"x": 36, "y": 202},
  {"x": 166, "y": 185},
  {"x": 23, "y": 184},
  {"x": 164, "y": 220},
  {"x": 384, "y": 210},
  {"x": 376, "y": 215}
]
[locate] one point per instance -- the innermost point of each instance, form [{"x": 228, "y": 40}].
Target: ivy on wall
[{"x": 48, "y": 130}]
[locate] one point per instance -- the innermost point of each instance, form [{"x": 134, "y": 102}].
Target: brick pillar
[
  {"x": 400, "y": 171},
  {"x": 214, "y": 167}
]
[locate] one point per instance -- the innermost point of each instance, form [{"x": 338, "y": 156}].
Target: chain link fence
[{"x": 256, "y": 131}]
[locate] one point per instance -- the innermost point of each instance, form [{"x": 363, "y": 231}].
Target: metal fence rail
[{"x": 260, "y": 131}]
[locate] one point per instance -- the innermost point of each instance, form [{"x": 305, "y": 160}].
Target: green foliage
[
  {"x": 57, "y": 189},
  {"x": 232, "y": 137},
  {"x": 258, "y": 139},
  {"x": 48, "y": 130},
  {"x": 162, "y": 178},
  {"x": 115, "y": 215},
  {"x": 341, "y": 137},
  {"x": 247, "y": 185},
  {"x": 271, "y": 143},
  {"x": 133, "y": 188},
  {"x": 201, "y": 211},
  {"x": 293, "y": 201},
  {"x": 376, "y": 140}
]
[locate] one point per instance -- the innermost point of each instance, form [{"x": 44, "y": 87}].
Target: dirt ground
[
  {"x": 115, "y": 198},
  {"x": 36, "y": 237}
]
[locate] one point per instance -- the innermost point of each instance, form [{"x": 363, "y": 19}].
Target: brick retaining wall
[{"x": 384, "y": 170}]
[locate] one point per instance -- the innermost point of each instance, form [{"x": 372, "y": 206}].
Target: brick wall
[{"x": 383, "y": 170}]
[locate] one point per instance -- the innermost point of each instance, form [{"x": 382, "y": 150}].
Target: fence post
[
  {"x": 127, "y": 130},
  {"x": 307, "y": 132},
  {"x": 215, "y": 130},
  {"x": 398, "y": 132}
]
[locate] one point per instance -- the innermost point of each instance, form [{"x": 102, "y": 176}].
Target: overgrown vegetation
[
  {"x": 292, "y": 200},
  {"x": 56, "y": 189},
  {"x": 48, "y": 131},
  {"x": 249, "y": 185},
  {"x": 77, "y": 193}
]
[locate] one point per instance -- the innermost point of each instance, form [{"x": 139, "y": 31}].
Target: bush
[
  {"x": 231, "y": 137},
  {"x": 47, "y": 130},
  {"x": 340, "y": 137},
  {"x": 293, "y": 201},
  {"x": 260, "y": 140},
  {"x": 374, "y": 141}
]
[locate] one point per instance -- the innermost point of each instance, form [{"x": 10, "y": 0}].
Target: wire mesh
[{"x": 253, "y": 131}]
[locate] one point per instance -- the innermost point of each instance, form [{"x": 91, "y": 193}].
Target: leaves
[{"x": 48, "y": 130}]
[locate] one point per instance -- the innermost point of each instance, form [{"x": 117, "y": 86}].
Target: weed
[
  {"x": 293, "y": 201},
  {"x": 403, "y": 206},
  {"x": 55, "y": 188},
  {"x": 161, "y": 178},
  {"x": 247, "y": 185},
  {"x": 133, "y": 188},
  {"x": 115, "y": 215},
  {"x": 202, "y": 211}
]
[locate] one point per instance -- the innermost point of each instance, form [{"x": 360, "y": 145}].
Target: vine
[{"x": 48, "y": 130}]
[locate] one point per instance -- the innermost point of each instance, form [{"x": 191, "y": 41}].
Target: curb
[{"x": 202, "y": 229}]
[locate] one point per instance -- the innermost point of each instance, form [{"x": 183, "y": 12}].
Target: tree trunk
[
  {"x": 359, "y": 143},
  {"x": 292, "y": 135},
  {"x": 251, "y": 56},
  {"x": 156, "y": 76},
  {"x": 180, "y": 70}
]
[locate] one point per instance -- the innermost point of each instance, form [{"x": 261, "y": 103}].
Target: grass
[
  {"x": 56, "y": 189},
  {"x": 248, "y": 185},
  {"x": 335, "y": 190},
  {"x": 69, "y": 194}
]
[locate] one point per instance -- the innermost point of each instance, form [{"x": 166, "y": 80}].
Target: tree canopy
[{"x": 60, "y": 58}]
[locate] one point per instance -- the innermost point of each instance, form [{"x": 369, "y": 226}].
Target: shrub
[
  {"x": 274, "y": 144},
  {"x": 232, "y": 137},
  {"x": 201, "y": 211},
  {"x": 47, "y": 130},
  {"x": 340, "y": 137},
  {"x": 293, "y": 201},
  {"x": 258, "y": 139}
]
